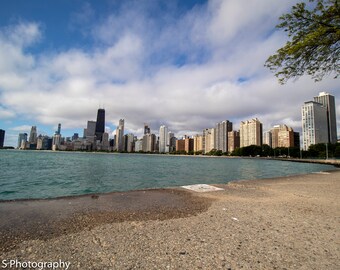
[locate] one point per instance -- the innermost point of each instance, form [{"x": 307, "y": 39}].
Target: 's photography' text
[{"x": 7, "y": 264}]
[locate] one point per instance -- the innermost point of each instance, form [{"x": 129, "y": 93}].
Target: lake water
[{"x": 35, "y": 174}]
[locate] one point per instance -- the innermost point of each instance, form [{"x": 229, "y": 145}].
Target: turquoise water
[{"x": 35, "y": 174}]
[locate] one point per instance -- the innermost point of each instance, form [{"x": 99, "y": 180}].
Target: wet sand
[
  {"x": 49, "y": 218},
  {"x": 282, "y": 223}
]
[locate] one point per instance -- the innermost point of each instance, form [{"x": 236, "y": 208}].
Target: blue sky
[{"x": 186, "y": 64}]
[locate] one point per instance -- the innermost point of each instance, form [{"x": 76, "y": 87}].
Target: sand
[{"x": 282, "y": 223}]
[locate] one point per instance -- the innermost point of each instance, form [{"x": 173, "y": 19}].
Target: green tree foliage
[
  {"x": 251, "y": 150},
  {"x": 314, "y": 45},
  {"x": 337, "y": 151},
  {"x": 215, "y": 152},
  {"x": 319, "y": 150}
]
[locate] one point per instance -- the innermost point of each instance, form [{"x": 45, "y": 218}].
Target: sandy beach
[{"x": 283, "y": 223}]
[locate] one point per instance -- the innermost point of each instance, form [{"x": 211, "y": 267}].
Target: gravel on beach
[{"x": 283, "y": 223}]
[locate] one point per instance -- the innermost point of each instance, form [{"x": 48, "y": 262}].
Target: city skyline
[
  {"x": 185, "y": 65},
  {"x": 318, "y": 118},
  {"x": 90, "y": 130}
]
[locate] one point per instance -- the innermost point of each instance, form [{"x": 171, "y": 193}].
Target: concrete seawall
[{"x": 335, "y": 162}]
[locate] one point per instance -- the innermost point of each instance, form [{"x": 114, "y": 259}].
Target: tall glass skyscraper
[
  {"x": 328, "y": 101},
  {"x": 100, "y": 124},
  {"x": 59, "y": 129}
]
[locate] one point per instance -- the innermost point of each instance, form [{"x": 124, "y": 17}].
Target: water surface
[{"x": 38, "y": 174}]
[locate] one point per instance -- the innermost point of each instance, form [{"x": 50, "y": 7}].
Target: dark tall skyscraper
[
  {"x": 100, "y": 124},
  {"x": 329, "y": 102},
  {"x": 146, "y": 129},
  {"x": 59, "y": 129},
  {"x": 2, "y": 138}
]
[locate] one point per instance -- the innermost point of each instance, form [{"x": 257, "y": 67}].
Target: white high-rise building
[
  {"x": 120, "y": 136},
  {"x": 209, "y": 140},
  {"x": 267, "y": 138},
  {"x": 149, "y": 141},
  {"x": 56, "y": 142},
  {"x": 139, "y": 145},
  {"x": 314, "y": 124},
  {"x": 163, "y": 139},
  {"x": 251, "y": 133}
]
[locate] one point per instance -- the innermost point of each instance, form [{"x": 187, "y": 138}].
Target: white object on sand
[{"x": 202, "y": 188}]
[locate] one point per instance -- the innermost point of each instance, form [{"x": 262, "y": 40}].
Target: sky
[{"x": 184, "y": 64}]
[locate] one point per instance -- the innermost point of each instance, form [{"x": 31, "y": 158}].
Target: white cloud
[
  {"x": 22, "y": 34},
  {"x": 23, "y": 128},
  {"x": 131, "y": 70},
  {"x": 6, "y": 114}
]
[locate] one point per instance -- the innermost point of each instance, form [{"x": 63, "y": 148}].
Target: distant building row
[
  {"x": 221, "y": 138},
  {"x": 318, "y": 126}
]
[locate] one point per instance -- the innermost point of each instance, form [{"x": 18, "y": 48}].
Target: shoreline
[
  {"x": 331, "y": 161},
  {"x": 286, "y": 222},
  {"x": 96, "y": 194}
]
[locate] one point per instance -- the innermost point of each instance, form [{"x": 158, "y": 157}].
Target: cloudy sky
[{"x": 185, "y": 64}]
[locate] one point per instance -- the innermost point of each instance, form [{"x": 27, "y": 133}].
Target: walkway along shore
[
  {"x": 280, "y": 223},
  {"x": 335, "y": 162}
]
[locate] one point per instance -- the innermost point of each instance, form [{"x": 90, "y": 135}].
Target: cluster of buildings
[
  {"x": 319, "y": 120},
  {"x": 318, "y": 126}
]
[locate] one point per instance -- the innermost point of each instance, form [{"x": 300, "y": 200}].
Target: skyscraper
[
  {"x": 105, "y": 141},
  {"x": 267, "y": 138},
  {"x": 329, "y": 102},
  {"x": 130, "y": 141},
  {"x": 120, "y": 136},
  {"x": 198, "y": 143},
  {"x": 251, "y": 133},
  {"x": 2, "y": 138},
  {"x": 59, "y": 129},
  {"x": 33, "y": 135},
  {"x": 100, "y": 124},
  {"x": 314, "y": 124},
  {"x": 171, "y": 142},
  {"x": 22, "y": 139},
  {"x": 221, "y": 134},
  {"x": 209, "y": 142},
  {"x": 149, "y": 142},
  {"x": 90, "y": 131},
  {"x": 163, "y": 139},
  {"x": 146, "y": 129},
  {"x": 56, "y": 142}
]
